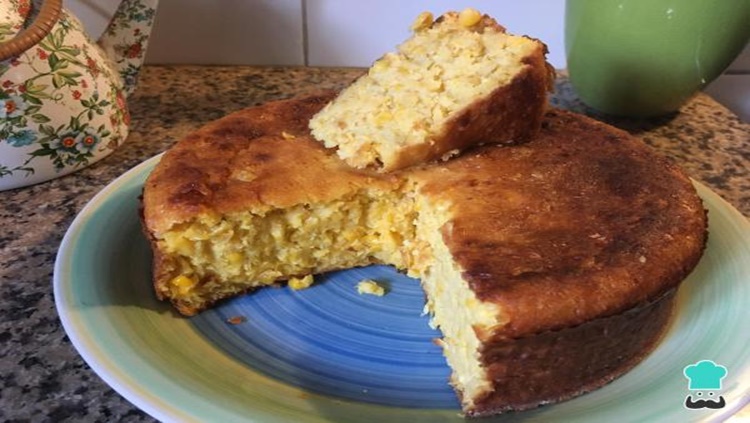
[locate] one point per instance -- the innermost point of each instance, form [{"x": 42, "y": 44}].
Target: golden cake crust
[
  {"x": 510, "y": 113},
  {"x": 257, "y": 158},
  {"x": 556, "y": 365},
  {"x": 581, "y": 235},
  {"x": 583, "y": 221}
]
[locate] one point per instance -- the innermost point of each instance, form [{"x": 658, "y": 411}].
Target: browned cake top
[
  {"x": 257, "y": 158},
  {"x": 582, "y": 222}
]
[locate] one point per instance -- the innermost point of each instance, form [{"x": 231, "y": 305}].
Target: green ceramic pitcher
[{"x": 647, "y": 57}]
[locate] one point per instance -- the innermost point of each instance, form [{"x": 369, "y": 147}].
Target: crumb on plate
[
  {"x": 300, "y": 283},
  {"x": 370, "y": 287}
]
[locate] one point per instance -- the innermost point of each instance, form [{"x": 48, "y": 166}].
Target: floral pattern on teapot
[
  {"x": 62, "y": 102},
  {"x": 12, "y": 18}
]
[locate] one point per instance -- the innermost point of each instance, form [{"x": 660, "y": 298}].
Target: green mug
[{"x": 644, "y": 58}]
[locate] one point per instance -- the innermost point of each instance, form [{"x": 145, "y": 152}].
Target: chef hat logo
[{"x": 704, "y": 375}]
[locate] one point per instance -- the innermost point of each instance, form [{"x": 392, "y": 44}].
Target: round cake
[{"x": 550, "y": 267}]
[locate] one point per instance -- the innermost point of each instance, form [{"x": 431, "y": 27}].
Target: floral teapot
[{"x": 62, "y": 96}]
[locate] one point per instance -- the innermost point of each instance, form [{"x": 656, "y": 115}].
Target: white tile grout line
[{"x": 305, "y": 47}]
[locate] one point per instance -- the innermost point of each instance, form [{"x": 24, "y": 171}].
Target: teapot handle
[{"x": 48, "y": 15}]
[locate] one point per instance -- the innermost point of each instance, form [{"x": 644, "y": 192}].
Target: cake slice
[
  {"x": 458, "y": 81},
  {"x": 549, "y": 267}
]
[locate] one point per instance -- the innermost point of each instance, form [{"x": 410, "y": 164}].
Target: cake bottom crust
[{"x": 558, "y": 365}]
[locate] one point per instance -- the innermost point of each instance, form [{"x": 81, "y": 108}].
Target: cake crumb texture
[
  {"x": 531, "y": 256},
  {"x": 459, "y": 80},
  {"x": 370, "y": 287}
]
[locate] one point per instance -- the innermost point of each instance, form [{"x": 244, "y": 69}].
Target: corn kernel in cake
[{"x": 460, "y": 80}]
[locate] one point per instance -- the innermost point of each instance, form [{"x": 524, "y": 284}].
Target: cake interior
[
  {"x": 420, "y": 87},
  {"x": 215, "y": 257}
]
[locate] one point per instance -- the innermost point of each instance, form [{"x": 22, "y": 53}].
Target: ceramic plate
[{"x": 329, "y": 354}]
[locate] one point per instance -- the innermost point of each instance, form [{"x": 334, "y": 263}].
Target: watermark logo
[{"x": 704, "y": 383}]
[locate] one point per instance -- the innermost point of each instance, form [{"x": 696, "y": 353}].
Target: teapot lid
[{"x": 13, "y": 15}]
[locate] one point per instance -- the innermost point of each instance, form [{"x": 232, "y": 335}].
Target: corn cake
[
  {"x": 550, "y": 267},
  {"x": 459, "y": 80}
]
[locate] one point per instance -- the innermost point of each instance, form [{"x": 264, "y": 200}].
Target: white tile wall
[
  {"x": 355, "y": 33},
  {"x": 261, "y": 32},
  {"x": 226, "y": 32},
  {"x": 342, "y": 32},
  {"x": 733, "y": 88},
  {"x": 733, "y": 91},
  {"x": 742, "y": 63},
  {"x": 94, "y": 14},
  {"x": 339, "y": 32}
]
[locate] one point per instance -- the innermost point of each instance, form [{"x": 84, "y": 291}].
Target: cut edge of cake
[
  {"x": 416, "y": 237},
  {"x": 201, "y": 261},
  {"x": 460, "y": 80}
]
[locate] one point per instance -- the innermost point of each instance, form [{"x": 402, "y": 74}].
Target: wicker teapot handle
[{"x": 48, "y": 15}]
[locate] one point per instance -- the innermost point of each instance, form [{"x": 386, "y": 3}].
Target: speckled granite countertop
[{"x": 42, "y": 378}]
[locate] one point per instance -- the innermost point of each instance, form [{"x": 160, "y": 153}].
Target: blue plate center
[{"x": 331, "y": 340}]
